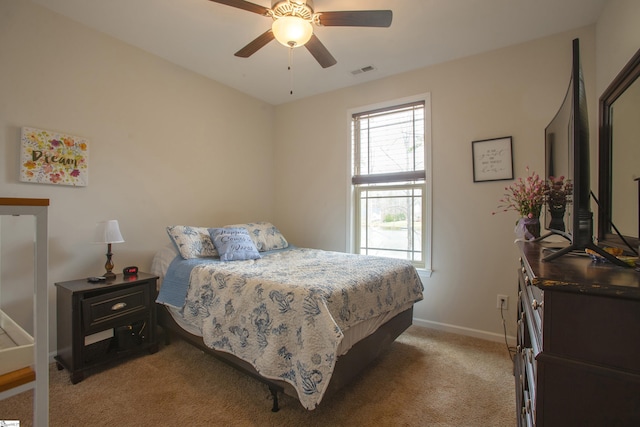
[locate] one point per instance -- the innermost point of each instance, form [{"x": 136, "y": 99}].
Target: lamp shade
[
  {"x": 108, "y": 232},
  {"x": 292, "y": 31}
]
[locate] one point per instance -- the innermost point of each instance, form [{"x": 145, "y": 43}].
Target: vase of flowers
[
  {"x": 529, "y": 228},
  {"x": 558, "y": 194},
  {"x": 525, "y": 196}
]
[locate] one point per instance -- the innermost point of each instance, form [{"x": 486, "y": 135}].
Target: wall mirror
[{"x": 619, "y": 151}]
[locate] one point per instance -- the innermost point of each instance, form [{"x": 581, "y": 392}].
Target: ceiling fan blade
[
  {"x": 244, "y": 5},
  {"x": 322, "y": 55},
  {"x": 253, "y": 47},
  {"x": 356, "y": 18}
]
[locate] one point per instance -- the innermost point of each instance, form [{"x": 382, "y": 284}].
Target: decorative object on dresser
[
  {"x": 108, "y": 232},
  {"x": 525, "y": 196},
  {"x": 558, "y": 192},
  {"x": 102, "y": 322},
  {"x": 578, "y": 349}
]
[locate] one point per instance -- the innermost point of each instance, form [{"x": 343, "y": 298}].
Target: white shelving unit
[{"x": 24, "y": 363}]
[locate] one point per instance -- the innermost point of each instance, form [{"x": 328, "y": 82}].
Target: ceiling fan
[{"x": 293, "y": 22}]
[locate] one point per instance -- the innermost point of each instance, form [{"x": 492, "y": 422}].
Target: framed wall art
[
  {"x": 48, "y": 157},
  {"x": 492, "y": 159}
]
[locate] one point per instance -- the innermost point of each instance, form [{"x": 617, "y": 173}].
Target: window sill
[{"x": 423, "y": 272}]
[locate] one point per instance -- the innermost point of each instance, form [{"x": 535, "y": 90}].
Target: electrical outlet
[{"x": 503, "y": 302}]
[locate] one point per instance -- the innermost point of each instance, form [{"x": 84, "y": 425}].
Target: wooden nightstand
[{"x": 102, "y": 322}]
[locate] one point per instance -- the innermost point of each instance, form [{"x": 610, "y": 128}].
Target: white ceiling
[{"x": 203, "y": 36}]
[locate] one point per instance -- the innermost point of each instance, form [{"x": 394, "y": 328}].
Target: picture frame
[
  {"x": 50, "y": 157},
  {"x": 492, "y": 159}
]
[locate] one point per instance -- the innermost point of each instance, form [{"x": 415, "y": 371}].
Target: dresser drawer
[
  {"x": 106, "y": 310},
  {"x": 531, "y": 299},
  {"x": 530, "y": 369},
  {"x": 535, "y": 294}
]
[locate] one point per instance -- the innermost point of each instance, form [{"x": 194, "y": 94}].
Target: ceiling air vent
[{"x": 363, "y": 70}]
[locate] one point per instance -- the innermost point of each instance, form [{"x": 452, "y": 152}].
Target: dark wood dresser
[{"x": 578, "y": 350}]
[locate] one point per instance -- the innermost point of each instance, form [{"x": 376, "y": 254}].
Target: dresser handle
[
  {"x": 536, "y": 305},
  {"x": 118, "y": 306}
]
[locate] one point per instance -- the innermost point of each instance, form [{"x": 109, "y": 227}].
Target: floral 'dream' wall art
[{"x": 53, "y": 158}]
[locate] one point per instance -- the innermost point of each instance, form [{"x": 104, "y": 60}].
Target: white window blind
[{"x": 389, "y": 181}]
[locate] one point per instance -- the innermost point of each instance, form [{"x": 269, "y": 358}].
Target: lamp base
[{"x": 109, "y": 265}]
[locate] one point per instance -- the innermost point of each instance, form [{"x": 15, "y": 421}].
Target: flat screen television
[{"x": 567, "y": 155}]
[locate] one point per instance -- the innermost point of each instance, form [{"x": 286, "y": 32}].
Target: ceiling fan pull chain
[{"x": 290, "y": 68}]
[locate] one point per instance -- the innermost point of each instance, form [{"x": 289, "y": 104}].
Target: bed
[{"x": 303, "y": 321}]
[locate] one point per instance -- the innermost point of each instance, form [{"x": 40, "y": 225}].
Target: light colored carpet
[{"x": 427, "y": 378}]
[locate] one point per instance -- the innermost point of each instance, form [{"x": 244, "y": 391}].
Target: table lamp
[{"x": 108, "y": 232}]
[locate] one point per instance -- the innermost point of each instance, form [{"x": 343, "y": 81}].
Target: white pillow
[
  {"x": 162, "y": 259},
  {"x": 264, "y": 234},
  {"x": 192, "y": 242}
]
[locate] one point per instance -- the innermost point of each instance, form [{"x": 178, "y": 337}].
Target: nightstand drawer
[{"x": 104, "y": 311}]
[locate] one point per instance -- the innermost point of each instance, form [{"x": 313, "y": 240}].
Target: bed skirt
[{"x": 347, "y": 367}]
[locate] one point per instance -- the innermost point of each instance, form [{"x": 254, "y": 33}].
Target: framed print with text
[
  {"x": 49, "y": 157},
  {"x": 492, "y": 159}
]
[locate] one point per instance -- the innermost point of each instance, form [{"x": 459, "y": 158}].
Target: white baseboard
[{"x": 461, "y": 330}]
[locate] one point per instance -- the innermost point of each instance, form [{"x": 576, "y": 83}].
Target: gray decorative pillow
[
  {"x": 233, "y": 244},
  {"x": 264, "y": 234},
  {"x": 192, "y": 242}
]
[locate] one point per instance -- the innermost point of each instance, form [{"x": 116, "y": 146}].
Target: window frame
[{"x": 352, "y": 219}]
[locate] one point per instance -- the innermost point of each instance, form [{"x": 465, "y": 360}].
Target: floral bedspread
[{"x": 285, "y": 313}]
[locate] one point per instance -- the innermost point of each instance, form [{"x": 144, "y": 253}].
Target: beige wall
[
  {"x": 508, "y": 92},
  {"x": 617, "y": 39},
  {"x": 167, "y": 146},
  {"x": 513, "y": 91}
]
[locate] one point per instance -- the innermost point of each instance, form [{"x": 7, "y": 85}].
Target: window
[{"x": 390, "y": 181}]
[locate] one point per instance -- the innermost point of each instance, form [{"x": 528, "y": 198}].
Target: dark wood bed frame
[{"x": 347, "y": 367}]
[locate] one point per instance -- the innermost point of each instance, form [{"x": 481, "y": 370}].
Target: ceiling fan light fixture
[{"x": 292, "y": 31}]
